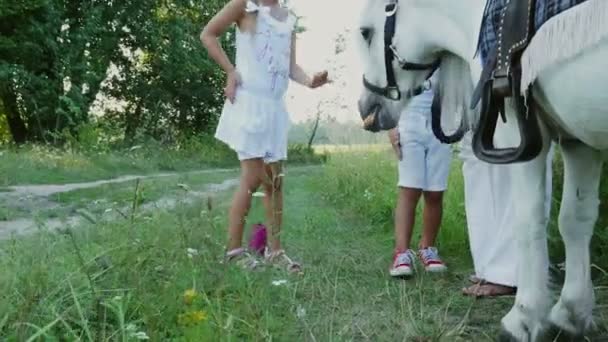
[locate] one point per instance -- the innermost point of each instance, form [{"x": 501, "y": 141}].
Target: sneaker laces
[
  {"x": 404, "y": 258},
  {"x": 430, "y": 254}
]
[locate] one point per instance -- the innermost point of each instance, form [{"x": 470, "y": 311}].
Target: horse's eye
[{"x": 367, "y": 33}]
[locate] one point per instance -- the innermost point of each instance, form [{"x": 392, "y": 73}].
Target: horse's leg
[
  {"x": 528, "y": 181},
  {"x": 577, "y": 217},
  {"x": 532, "y": 302}
]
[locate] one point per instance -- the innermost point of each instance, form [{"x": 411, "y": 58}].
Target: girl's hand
[
  {"x": 319, "y": 79},
  {"x": 393, "y": 136},
  {"x": 232, "y": 83}
]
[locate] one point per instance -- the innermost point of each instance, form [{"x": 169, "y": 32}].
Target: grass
[
  {"x": 113, "y": 280},
  {"x": 46, "y": 165}
]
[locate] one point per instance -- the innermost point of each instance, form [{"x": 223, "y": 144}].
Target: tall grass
[{"x": 366, "y": 183}]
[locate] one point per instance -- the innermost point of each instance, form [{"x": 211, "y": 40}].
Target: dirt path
[
  {"x": 38, "y": 196},
  {"x": 45, "y": 190}
]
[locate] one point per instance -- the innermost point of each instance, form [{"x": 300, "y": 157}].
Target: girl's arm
[
  {"x": 298, "y": 75},
  {"x": 233, "y": 12}
]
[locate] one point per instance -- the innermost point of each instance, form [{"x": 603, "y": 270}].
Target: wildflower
[
  {"x": 192, "y": 252},
  {"x": 279, "y": 282},
  {"x": 300, "y": 312},
  {"x": 258, "y": 194},
  {"x": 140, "y": 335},
  {"x": 192, "y": 317},
  {"x": 367, "y": 194},
  {"x": 189, "y": 296}
]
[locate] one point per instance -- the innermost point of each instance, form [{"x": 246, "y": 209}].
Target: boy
[{"x": 424, "y": 165}]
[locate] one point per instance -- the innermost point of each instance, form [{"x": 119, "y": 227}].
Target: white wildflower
[
  {"x": 140, "y": 335},
  {"x": 300, "y": 312},
  {"x": 192, "y": 252},
  {"x": 367, "y": 194},
  {"x": 279, "y": 282},
  {"x": 258, "y": 194}
]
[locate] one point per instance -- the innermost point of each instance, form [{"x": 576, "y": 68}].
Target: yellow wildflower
[
  {"x": 192, "y": 317},
  {"x": 189, "y": 296},
  {"x": 198, "y": 316}
]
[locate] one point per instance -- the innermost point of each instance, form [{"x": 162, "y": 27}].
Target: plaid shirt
[{"x": 545, "y": 10}]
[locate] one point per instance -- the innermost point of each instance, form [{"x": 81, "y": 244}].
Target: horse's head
[{"x": 401, "y": 46}]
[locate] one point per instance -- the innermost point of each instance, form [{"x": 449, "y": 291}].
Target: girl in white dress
[{"x": 254, "y": 121}]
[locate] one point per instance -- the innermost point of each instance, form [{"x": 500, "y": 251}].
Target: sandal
[
  {"x": 484, "y": 289},
  {"x": 242, "y": 258},
  {"x": 281, "y": 260}
]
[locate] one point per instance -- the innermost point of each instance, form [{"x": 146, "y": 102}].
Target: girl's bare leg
[{"x": 251, "y": 178}]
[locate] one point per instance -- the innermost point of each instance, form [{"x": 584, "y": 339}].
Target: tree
[{"x": 55, "y": 56}]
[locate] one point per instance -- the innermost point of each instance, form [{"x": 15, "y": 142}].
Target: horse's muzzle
[{"x": 375, "y": 117}]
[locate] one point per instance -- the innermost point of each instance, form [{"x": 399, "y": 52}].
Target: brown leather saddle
[{"x": 501, "y": 79}]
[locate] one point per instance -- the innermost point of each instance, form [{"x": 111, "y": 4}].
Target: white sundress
[{"x": 256, "y": 124}]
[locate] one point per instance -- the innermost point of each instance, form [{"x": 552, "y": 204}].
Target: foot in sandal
[
  {"x": 281, "y": 260},
  {"x": 483, "y": 289}
]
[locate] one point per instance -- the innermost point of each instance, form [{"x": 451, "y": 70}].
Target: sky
[{"x": 325, "y": 21}]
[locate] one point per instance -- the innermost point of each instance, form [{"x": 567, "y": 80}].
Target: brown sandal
[
  {"x": 484, "y": 289},
  {"x": 281, "y": 260}
]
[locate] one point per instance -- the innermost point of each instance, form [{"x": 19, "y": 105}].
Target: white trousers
[{"x": 490, "y": 212}]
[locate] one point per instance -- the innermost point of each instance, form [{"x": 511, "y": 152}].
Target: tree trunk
[
  {"x": 315, "y": 127},
  {"x": 132, "y": 122},
  {"x": 15, "y": 122}
]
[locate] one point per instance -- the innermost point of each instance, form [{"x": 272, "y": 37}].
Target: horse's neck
[{"x": 457, "y": 24}]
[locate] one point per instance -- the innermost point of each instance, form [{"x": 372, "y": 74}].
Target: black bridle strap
[
  {"x": 391, "y": 91},
  {"x": 389, "y": 33},
  {"x": 385, "y": 91}
]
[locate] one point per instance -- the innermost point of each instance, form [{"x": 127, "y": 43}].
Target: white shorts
[{"x": 425, "y": 162}]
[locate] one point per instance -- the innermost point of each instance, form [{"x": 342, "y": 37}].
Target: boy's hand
[
  {"x": 393, "y": 136},
  {"x": 319, "y": 79},
  {"x": 232, "y": 83}
]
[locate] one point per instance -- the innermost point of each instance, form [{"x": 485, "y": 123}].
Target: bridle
[{"x": 392, "y": 91}]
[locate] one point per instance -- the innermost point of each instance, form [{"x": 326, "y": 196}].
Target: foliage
[{"x": 59, "y": 57}]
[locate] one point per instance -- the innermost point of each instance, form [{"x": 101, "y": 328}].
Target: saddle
[{"x": 501, "y": 79}]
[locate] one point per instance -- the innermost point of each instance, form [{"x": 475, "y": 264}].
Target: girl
[
  {"x": 424, "y": 166},
  {"x": 254, "y": 121}
]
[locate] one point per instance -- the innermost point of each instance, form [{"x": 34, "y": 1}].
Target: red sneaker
[
  {"x": 403, "y": 264},
  {"x": 431, "y": 260}
]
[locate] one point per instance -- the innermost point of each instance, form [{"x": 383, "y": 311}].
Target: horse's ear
[{"x": 455, "y": 89}]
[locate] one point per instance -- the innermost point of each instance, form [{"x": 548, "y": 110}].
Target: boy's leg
[
  {"x": 411, "y": 181},
  {"x": 432, "y": 214},
  {"x": 251, "y": 171},
  {"x": 437, "y": 161},
  {"x": 405, "y": 217}
]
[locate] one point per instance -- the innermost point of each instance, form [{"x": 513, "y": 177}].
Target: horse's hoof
[
  {"x": 506, "y": 336},
  {"x": 557, "y": 334}
]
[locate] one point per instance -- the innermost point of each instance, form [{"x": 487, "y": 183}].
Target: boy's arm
[{"x": 231, "y": 13}]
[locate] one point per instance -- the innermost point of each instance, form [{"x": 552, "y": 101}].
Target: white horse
[{"x": 572, "y": 92}]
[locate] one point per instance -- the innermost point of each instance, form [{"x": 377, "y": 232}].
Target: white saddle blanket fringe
[{"x": 563, "y": 37}]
